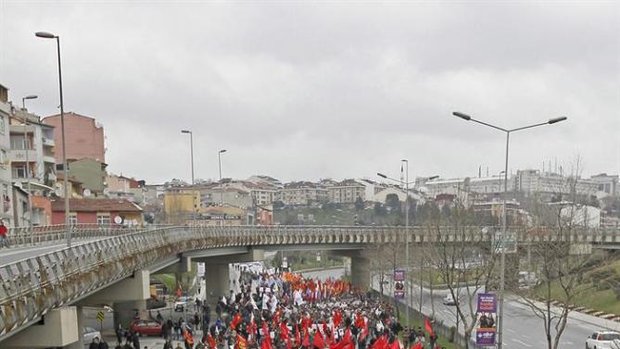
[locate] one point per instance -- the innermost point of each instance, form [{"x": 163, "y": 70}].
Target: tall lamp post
[
  {"x": 219, "y": 160},
  {"x": 191, "y": 150},
  {"x": 27, "y": 146},
  {"x": 405, "y": 184},
  {"x": 466, "y": 117},
  {"x": 65, "y": 168}
]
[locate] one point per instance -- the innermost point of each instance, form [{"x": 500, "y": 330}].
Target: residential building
[
  {"x": 91, "y": 173},
  {"x": 104, "y": 212},
  {"x": 6, "y": 190},
  {"x": 33, "y": 166},
  {"x": 84, "y": 137},
  {"x": 32, "y": 150},
  {"x": 607, "y": 184},
  {"x": 217, "y": 194},
  {"x": 302, "y": 193},
  {"x": 220, "y": 216},
  {"x": 346, "y": 192},
  {"x": 550, "y": 185},
  {"x": 125, "y": 187},
  {"x": 181, "y": 204}
]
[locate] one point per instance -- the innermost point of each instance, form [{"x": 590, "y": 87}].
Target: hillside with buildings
[{"x": 32, "y": 188}]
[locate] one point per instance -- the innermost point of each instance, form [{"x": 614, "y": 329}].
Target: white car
[
  {"x": 181, "y": 303},
  {"x": 603, "y": 340},
  {"x": 90, "y": 334},
  {"x": 449, "y": 300}
]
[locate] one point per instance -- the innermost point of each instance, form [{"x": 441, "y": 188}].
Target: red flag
[
  {"x": 242, "y": 343},
  {"x": 297, "y": 335},
  {"x": 283, "y": 330},
  {"x": 266, "y": 344},
  {"x": 318, "y": 340},
  {"x": 381, "y": 343},
  {"x": 395, "y": 344},
  {"x": 337, "y": 318},
  {"x": 211, "y": 341},
  {"x": 428, "y": 327},
  {"x": 417, "y": 345},
  {"x": 306, "y": 342},
  {"x": 235, "y": 321}
]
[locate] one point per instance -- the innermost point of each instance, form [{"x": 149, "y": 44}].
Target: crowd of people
[{"x": 286, "y": 311}]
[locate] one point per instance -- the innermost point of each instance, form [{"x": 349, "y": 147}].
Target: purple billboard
[
  {"x": 485, "y": 336},
  {"x": 399, "y": 275},
  {"x": 487, "y": 303}
]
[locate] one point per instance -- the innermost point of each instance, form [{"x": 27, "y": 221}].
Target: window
[
  {"x": 18, "y": 142},
  {"x": 19, "y": 171},
  {"x": 2, "y": 126},
  {"x": 103, "y": 219}
]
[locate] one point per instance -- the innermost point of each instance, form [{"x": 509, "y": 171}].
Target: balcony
[
  {"x": 48, "y": 142},
  {"x": 19, "y": 155},
  {"x": 49, "y": 158}
]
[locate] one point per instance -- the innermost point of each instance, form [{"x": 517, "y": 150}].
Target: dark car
[{"x": 146, "y": 327}]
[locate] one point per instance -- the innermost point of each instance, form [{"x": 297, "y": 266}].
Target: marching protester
[{"x": 287, "y": 311}]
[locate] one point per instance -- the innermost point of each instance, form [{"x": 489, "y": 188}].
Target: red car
[{"x": 146, "y": 327}]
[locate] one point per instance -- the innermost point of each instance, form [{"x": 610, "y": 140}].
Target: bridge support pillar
[
  {"x": 360, "y": 272},
  {"x": 126, "y": 297},
  {"x": 57, "y": 329},
  {"x": 80, "y": 324},
  {"x": 217, "y": 282}
]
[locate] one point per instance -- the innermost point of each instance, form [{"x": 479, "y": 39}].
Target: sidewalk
[{"x": 148, "y": 342}]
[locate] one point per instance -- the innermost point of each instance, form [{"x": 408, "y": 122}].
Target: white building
[
  {"x": 6, "y": 190},
  {"x": 607, "y": 184},
  {"x": 582, "y": 215}
]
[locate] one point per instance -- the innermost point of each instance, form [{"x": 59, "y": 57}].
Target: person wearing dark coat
[
  {"x": 94, "y": 344},
  {"x": 136, "y": 340}
]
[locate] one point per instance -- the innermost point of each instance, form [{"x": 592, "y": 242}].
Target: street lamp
[
  {"x": 191, "y": 150},
  {"x": 65, "y": 168},
  {"x": 466, "y": 117},
  {"x": 406, "y": 185},
  {"x": 27, "y": 146},
  {"x": 219, "y": 160}
]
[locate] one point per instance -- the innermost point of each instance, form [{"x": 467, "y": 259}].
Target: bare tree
[
  {"x": 556, "y": 261},
  {"x": 463, "y": 256}
]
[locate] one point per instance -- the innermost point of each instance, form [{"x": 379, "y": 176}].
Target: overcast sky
[{"x": 328, "y": 90}]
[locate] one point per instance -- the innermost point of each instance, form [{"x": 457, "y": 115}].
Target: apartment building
[
  {"x": 303, "y": 193},
  {"x": 607, "y": 184},
  {"x": 346, "y": 192},
  {"x": 84, "y": 137},
  {"x": 6, "y": 190}
]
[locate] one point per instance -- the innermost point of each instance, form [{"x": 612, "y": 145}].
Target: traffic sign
[{"x": 100, "y": 316}]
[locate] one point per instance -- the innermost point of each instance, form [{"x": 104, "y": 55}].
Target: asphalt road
[
  {"x": 522, "y": 328},
  {"x": 17, "y": 253}
]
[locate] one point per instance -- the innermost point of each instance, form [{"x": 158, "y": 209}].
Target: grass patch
[{"x": 595, "y": 291}]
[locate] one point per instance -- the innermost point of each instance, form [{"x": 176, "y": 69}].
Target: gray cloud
[{"x": 307, "y": 91}]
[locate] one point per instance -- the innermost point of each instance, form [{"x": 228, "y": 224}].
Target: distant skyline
[{"x": 302, "y": 91}]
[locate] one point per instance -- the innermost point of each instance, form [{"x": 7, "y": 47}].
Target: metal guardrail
[{"x": 31, "y": 287}]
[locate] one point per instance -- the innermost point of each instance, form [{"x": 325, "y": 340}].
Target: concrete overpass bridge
[{"x": 40, "y": 295}]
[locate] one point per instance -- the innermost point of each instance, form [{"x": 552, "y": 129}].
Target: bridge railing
[
  {"x": 31, "y": 287},
  {"x": 56, "y": 233}
]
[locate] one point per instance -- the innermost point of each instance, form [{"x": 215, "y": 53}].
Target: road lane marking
[{"x": 521, "y": 342}]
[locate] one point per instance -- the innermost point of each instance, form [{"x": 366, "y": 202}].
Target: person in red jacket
[{"x": 4, "y": 240}]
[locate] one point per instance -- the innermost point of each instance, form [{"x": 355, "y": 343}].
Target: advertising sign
[
  {"x": 200, "y": 272},
  {"x": 485, "y": 336},
  {"x": 487, "y": 303},
  {"x": 399, "y": 294},
  {"x": 399, "y": 275},
  {"x": 508, "y": 243}
]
